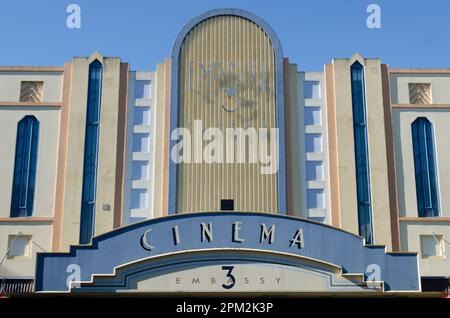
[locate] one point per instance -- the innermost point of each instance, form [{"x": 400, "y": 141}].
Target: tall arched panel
[{"x": 227, "y": 72}]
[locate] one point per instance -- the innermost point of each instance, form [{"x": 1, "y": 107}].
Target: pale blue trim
[{"x": 279, "y": 91}]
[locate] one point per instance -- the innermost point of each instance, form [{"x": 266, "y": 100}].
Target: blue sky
[{"x": 413, "y": 34}]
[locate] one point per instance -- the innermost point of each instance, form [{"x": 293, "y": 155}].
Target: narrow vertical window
[
  {"x": 361, "y": 152},
  {"x": 91, "y": 152},
  {"x": 425, "y": 167},
  {"x": 24, "y": 178}
]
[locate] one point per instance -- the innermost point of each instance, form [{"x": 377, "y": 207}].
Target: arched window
[
  {"x": 425, "y": 167},
  {"x": 91, "y": 152},
  {"x": 361, "y": 152},
  {"x": 24, "y": 179}
]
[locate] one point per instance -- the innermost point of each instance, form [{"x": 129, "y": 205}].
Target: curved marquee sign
[{"x": 227, "y": 252}]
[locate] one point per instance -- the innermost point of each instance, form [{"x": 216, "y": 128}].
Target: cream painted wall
[
  {"x": 41, "y": 234},
  {"x": 439, "y": 87},
  {"x": 10, "y": 84},
  {"x": 344, "y": 123},
  {"x": 402, "y": 119},
  {"x": 106, "y": 174},
  {"x": 160, "y": 194},
  {"x": 107, "y": 148},
  {"x": 377, "y": 148},
  {"x": 295, "y": 145},
  {"x": 377, "y": 153},
  {"x": 410, "y": 232},
  {"x": 74, "y": 169},
  {"x": 44, "y": 200}
]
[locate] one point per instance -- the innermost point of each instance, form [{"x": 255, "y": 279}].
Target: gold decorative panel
[
  {"x": 32, "y": 92},
  {"x": 420, "y": 93},
  {"x": 226, "y": 80}
]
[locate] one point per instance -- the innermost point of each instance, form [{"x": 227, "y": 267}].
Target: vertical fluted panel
[{"x": 222, "y": 44}]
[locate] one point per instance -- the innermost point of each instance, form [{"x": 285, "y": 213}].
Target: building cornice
[
  {"x": 421, "y": 106},
  {"x": 26, "y": 220},
  {"x": 419, "y": 70},
  {"x": 57, "y": 69}
]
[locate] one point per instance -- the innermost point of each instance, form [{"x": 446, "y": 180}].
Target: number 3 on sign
[{"x": 231, "y": 279}]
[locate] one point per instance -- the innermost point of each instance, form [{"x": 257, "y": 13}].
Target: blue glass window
[
  {"x": 311, "y": 89},
  {"x": 24, "y": 178},
  {"x": 361, "y": 152},
  {"x": 425, "y": 167},
  {"x": 91, "y": 152}
]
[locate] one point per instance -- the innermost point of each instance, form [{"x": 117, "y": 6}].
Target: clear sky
[{"x": 413, "y": 33}]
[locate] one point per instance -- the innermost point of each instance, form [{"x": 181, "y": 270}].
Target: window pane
[
  {"x": 91, "y": 152},
  {"x": 313, "y": 142},
  {"x": 361, "y": 151},
  {"x": 141, "y": 143},
  {"x": 24, "y": 175},
  {"x": 139, "y": 199},
  {"x": 311, "y": 89},
  {"x": 314, "y": 171},
  {"x": 313, "y": 116},
  {"x": 141, "y": 116},
  {"x": 431, "y": 245},
  {"x": 142, "y": 89},
  {"x": 19, "y": 246},
  {"x": 425, "y": 167},
  {"x": 315, "y": 199},
  {"x": 139, "y": 170}
]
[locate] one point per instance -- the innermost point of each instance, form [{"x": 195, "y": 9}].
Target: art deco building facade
[{"x": 87, "y": 161}]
